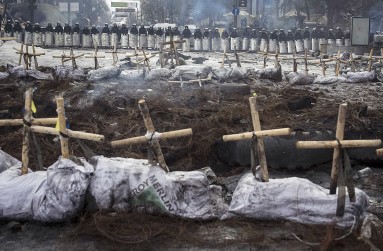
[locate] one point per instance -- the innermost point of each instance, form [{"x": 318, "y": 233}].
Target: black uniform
[
  {"x": 105, "y": 29},
  {"x": 142, "y": 30},
  {"x": 168, "y": 32},
  {"x": 216, "y": 34},
  {"x": 197, "y": 34},
  {"x": 306, "y": 34},
  {"x": 225, "y": 34},
  {"x": 49, "y": 28},
  {"x": 298, "y": 35},
  {"x": 86, "y": 30},
  {"x": 8, "y": 27},
  {"x": 59, "y": 28},
  {"x": 151, "y": 31},
  {"x": 186, "y": 33},
  {"x": 37, "y": 28},
  {"x": 246, "y": 33},
  {"x": 176, "y": 32},
  {"x": 77, "y": 28},
  {"x": 28, "y": 27},
  {"x": 67, "y": 29},
  {"x": 134, "y": 30},
  {"x": 160, "y": 32},
  {"x": 253, "y": 34},
  {"x": 17, "y": 27},
  {"x": 94, "y": 30},
  {"x": 206, "y": 34},
  {"x": 124, "y": 30},
  {"x": 281, "y": 36}
]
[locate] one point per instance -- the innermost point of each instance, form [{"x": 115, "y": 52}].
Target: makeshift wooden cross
[
  {"x": 28, "y": 56},
  {"x": 115, "y": 54},
  {"x": 28, "y": 121},
  {"x": 171, "y": 53},
  {"x": 372, "y": 58},
  {"x": 224, "y": 56},
  {"x": 276, "y": 58},
  {"x": 70, "y": 57},
  {"x": 152, "y": 137},
  {"x": 145, "y": 60},
  {"x": 259, "y": 134},
  {"x": 95, "y": 56},
  {"x": 35, "y": 125},
  {"x": 337, "y": 172}
]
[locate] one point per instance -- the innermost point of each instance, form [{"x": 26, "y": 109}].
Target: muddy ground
[{"x": 110, "y": 108}]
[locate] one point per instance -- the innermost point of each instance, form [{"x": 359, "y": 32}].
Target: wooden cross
[
  {"x": 224, "y": 56},
  {"x": 259, "y": 134},
  {"x": 145, "y": 60},
  {"x": 28, "y": 56},
  {"x": 276, "y": 58},
  {"x": 95, "y": 56},
  {"x": 152, "y": 137},
  {"x": 339, "y": 178},
  {"x": 114, "y": 54},
  {"x": 71, "y": 56},
  {"x": 38, "y": 125},
  {"x": 372, "y": 58},
  {"x": 172, "y": 51},
  {"x": 337, "y": 144}
]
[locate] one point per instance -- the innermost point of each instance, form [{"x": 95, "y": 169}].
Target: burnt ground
[{"x": 110, "y": 108}]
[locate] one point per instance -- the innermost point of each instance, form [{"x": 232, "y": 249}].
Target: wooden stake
[
  {"x": 150, "y": 128},
  {"x": 264, "y": 133},
  {"x": 260, "y": 143},
  {"x": 337, "y": 67},
  {"x": 339, "y": 136},
  {"x": 26, "y": 131},
  {"x": 334, "y": 144},
  {"x": 306, "y": 66},
  {"x": 62, "y": 128},
  {"x": 323, "y": 67},
  {"x": 379, "y": 152},
  {"x": 16, "y": 122},
  {"x": 370, "y": 59}
]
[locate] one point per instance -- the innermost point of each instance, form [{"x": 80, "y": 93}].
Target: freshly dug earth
[{"x": 110, "y": 108}]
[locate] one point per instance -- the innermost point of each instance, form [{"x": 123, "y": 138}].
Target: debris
[
  {"x": 107, "y": 72},
  {"x": 67, "y": 72},
  {"x": 364, "y": 173},
  {"x": 300, "y": 78}
]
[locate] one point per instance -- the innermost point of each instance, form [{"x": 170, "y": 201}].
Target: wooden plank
[
  {"x": 62, "y": 128},
  {"x": 260, "y": 143},
  {"x": 70, "y": 133},
  {"x": 334, "y": 144},
  {"x": 26, "y": 132},
  {"x": 17, "y": 122},
  {"x": 339, "y": 136},
  {"x": 145, "y": 139},
  {"x": 264, "y": 133}
]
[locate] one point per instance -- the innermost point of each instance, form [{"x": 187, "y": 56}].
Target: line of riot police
[{"x": 150, "y": 38}]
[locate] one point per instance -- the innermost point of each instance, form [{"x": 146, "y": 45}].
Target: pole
[
  {"x": 69, "y": 13},
  {"x": 235, "y": 16}
]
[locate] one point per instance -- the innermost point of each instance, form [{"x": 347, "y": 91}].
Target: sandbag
[
  {"x": 158, "y": 73},
  {"x": 190, "y": 72},
  {"x": 104, "y": 73},
  {"x": 56, "y": 195},
  {"x": 360, "y": 77},
  {"x": 300, "y": 78},
  {"x": 7, "y": 161},
  {"x": 131, "y": 75},
  {"x": 293, "y": 199},
  {"x": 67, "y": 72},
  {"x": 227, "y": 73},
  {"x": 120, "y": 184}
]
